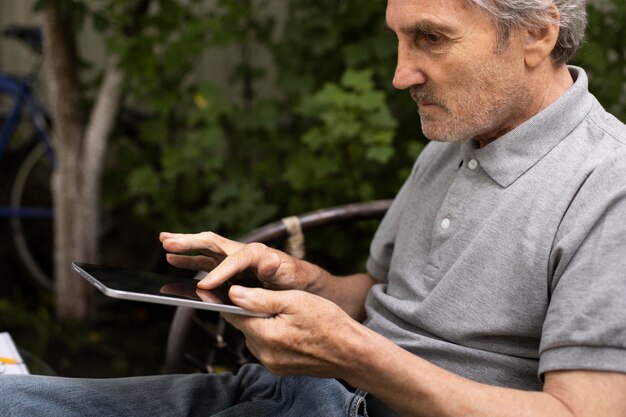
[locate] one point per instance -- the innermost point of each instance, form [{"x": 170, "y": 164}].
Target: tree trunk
[
  {"x": 99, "y": 129},
  {"x": 72, "y": 293},
  {"x": 76, "y": 180}
]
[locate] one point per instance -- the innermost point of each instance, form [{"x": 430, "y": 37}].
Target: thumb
[{"x": 259, "y": 300}]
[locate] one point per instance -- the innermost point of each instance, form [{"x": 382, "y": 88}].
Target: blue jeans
[{"x": 253, "y": 392}]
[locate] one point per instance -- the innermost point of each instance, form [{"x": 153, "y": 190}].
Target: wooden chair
[{"x": 203, "y": 341}]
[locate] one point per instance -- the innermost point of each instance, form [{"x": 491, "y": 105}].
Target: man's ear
[{"x": 539, "y": 43}]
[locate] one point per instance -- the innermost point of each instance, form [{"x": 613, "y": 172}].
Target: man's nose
[{"x": 408, "y": 71}]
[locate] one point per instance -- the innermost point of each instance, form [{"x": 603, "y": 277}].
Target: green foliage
[
  {"x": 353, "y": 133},
  {"x": 604, "y": 54},
  {"x": 320, "y": 39},
  {"x": 327, "y": 133}
]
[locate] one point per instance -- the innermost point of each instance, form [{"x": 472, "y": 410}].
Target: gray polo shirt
[{"x": 506, "y": 262}]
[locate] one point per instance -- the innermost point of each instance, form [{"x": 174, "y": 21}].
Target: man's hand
[
  {"x": 306, "y": 334},
  {"x": 223, "y": 258}
]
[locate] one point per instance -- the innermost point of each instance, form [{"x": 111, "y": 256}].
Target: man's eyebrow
[{"x": 424, "y": 26}]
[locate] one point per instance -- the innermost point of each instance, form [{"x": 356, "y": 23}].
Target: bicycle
[
  {"x": 29, "y": 211},
  {"x": 30, "y": 199}
]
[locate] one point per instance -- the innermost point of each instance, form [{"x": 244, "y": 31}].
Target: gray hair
[{"x": 535, "y": 14}]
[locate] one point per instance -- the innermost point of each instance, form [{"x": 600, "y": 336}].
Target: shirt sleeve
[{"x": 585, "y": 326}]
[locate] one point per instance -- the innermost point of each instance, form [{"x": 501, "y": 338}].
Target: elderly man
[{"x": 496, "y": 282}]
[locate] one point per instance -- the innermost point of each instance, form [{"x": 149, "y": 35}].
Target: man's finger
[
  {"x": 196, "y": 263},
  {"x": 227, "y": 269},
  {"x": 250, "y": 256},
  {"x": 178, "y": 243},
  {"x": 261, "y": 300},
  {"x": 268, "y": 266}
]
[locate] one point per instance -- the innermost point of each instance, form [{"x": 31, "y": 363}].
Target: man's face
[{"x": 448, "y": 59}]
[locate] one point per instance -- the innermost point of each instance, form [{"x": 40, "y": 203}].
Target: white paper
[{"x": 9, "y": 350}]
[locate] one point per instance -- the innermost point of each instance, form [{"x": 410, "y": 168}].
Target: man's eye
[
  {"x": 432, "y": 41},
  {"x": 433, "y": 38}
]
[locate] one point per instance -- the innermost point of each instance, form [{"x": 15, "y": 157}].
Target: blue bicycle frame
[{"x": 21, "y": 91}]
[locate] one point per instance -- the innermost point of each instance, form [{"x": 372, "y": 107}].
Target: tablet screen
[{"x": 163, "y": 289}]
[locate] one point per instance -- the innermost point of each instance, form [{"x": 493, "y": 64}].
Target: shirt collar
[{"x": 511, "y": 155}]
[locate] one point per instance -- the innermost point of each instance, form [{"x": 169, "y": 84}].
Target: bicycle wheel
[{"x": 32, "y": 229}]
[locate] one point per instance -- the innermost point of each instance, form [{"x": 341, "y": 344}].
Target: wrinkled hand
[
  {"x": 306, "y": 334},
  {"x": 223, "y": 258}
]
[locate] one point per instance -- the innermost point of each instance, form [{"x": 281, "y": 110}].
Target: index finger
[
  {"x": 208, "y": 243},
  {"x": 251, "y": 256}
]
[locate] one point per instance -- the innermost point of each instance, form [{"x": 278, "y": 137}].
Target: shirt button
[
  {"x": 445, "y": 224},
  {"x": 473, "y": 164}
]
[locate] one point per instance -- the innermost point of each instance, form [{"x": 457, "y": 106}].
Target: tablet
[{"x": 163, "y": 289}]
